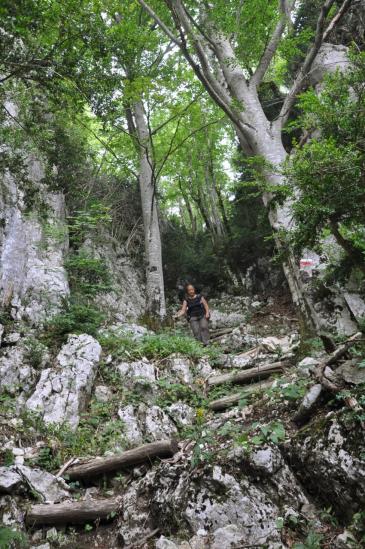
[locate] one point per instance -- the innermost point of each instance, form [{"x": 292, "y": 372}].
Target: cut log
[
  {"x": 73, "y": 512},
  {"x": 259, "y": 372},
  {"x": 323, "y": 375},
  {"x": 309, "y": 404},
  {"x": 231, "y": 400},
  {"x": 136, "y": 456}
]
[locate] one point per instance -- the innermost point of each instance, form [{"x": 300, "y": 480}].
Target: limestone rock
[
  {"x": 103, "y": 393},
  {"x": 164, "y": 543},
  {"x": 126, "y": 300},
  {"x": 62, "y": 392},
  {"x": 10, "y": 480},
  {"x": 137, "y": 370},
  {"x": 33, "y": 280},
  {"x": 227, "y": 537},
  {"x": 181, "y": 413},
  {"x": 268, "y": 460},
  {"x": 126, "y": 329},
  {"x": 15, "y": 374},
  {"x": 203, "y": 368},
  {"x": 307, "y": 365},
  {"x": 10, "y": 513},
  {"x": 282, "y": 345},
  {"x": 351, "y": 372},
  {"x": 132, "y": 431},
  {"x": 220, "y": 319},
  {"x": 157, "y": 424},
  {"x": 328, "y": 461},
  {"x": 179, "y": 368},
  {"x": 12, "y": 338},
  {"x": 196, "y": 542},
  {"x": 48, "y": 487},
  {"x": 356, "y": 305}
]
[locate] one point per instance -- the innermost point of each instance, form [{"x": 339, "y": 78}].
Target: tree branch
[
  {"x": 273, "y": 43},
  {"x": 160, "y": 23},
  {"x": 343, "y": 9},
  {"x": 300, "y": 79}
]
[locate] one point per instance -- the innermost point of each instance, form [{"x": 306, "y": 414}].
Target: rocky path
[{"x": 235, "y": 470}]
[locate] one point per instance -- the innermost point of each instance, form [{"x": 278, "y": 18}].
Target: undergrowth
[{"x": 155, "y": 346}]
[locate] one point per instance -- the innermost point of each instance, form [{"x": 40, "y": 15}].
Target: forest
[{"x": 151, "y": 145}]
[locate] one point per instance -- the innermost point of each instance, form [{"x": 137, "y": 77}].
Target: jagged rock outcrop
[
  {"x": 33, "y": 244},
  {"x": 208, "y": 501},
  {"x": 328, "y": 459},
  {"x": 126, "y": 300},
  {"x": 45, "y": 486},
  {"x": 61, "y": 392}
]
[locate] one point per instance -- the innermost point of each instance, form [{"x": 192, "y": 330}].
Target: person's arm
[
  {"x": 206, "y": 308},
  {"x": 183, "y": 309}
]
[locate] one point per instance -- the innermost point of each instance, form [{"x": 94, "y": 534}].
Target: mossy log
[{"x": 136, "y": 456}]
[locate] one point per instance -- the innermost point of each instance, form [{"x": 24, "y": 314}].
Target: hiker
[{"x": 197, "y": 311}]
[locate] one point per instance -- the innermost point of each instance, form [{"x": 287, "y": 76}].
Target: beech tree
[{"x": 231, "y": 47}]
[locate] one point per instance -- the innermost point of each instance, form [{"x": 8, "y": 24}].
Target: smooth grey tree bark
[
  {"x": 212, "y": 57},
  {"x": 155, "y": 291}
]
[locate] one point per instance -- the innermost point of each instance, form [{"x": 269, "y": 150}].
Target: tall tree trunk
[
  {"x": 154, "y": 274},
  {"x": 215, "y": 64},
  {"x": 189, "y": 209},
  {"x": 211, "y": 199},
  {"x": 222, "y": 208}
]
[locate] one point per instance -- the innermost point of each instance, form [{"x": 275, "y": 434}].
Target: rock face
[
  {"x": 214, "y": 503},
  {"x": 15, "y": 374},
  {"x": 148, "y": 423},
  {"x": 33, "y": 280},
  {"x": 61, "y": 392},
  {"x": 126, "y": 300},
  {"x": 328, "y": 461},
  {"x": 47, "y": 487},
  {"x": 141, "y": 369}
]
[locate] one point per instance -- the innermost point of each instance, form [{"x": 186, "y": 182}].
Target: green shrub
[
  {"x": 173, "y": 392},
  {"x": 155, "y": 346},
  {"x": 78, "y": 318},
  {"x": 87, "y": 275},
  {"x": 34, "y": 351},
  {"x": 12, "y": 538}
]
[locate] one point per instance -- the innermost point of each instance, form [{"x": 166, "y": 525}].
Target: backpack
[{"x": 195, "y": 307}]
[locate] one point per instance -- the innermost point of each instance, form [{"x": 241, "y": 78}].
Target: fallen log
[
  {"x": 250, "y": 352},
  {"x": 221, "y": 332},
  {"x": 136, "y": 456},
  {"x": 324, "y": 377},
  {"x": 231, "y": 400},
  {"x": 259, "y": 372},
  {"x": 73, "y": 512}
]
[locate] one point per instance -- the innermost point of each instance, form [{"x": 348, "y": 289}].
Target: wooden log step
[
  {"x": 230, "y": 400},
  {"x": 245, "y": 376},
  {"x": 136, "y": 456},
  {"x": 73, "y": 512}
]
